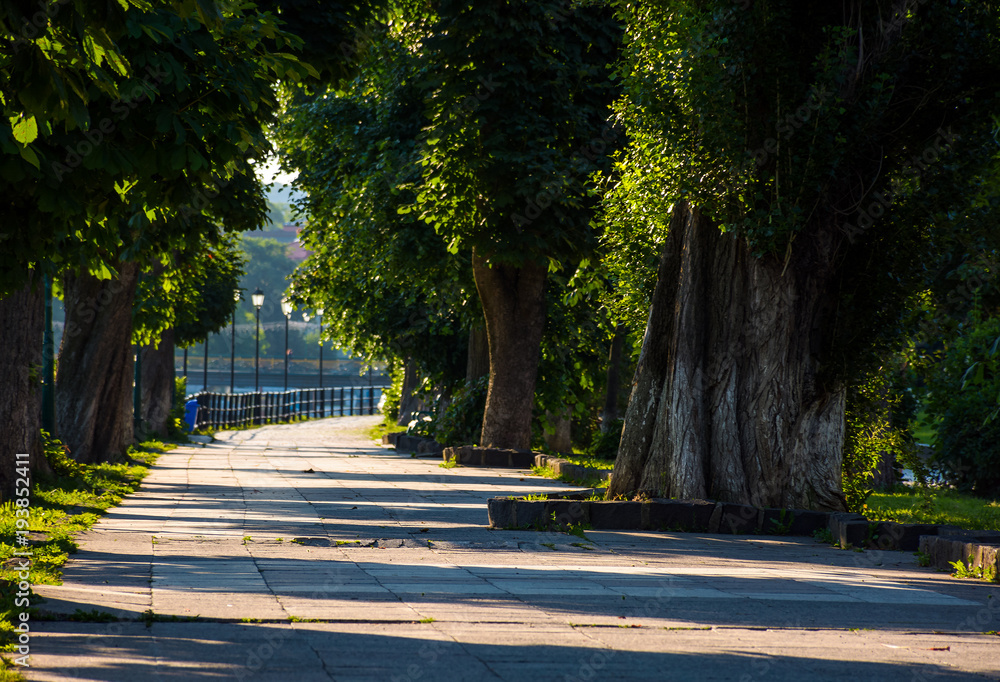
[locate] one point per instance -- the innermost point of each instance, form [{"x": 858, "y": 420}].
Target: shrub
[
  {"x": 392, "y": 395},
  {"x": 962, "y": 397},
  {"x": 876, "y": 425},
  {"x": 605, "y": 443},
  {"x": 176, "y": 427},
  {"x": 461, "y": 422}
]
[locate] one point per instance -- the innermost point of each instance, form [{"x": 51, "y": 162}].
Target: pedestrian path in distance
[{"x": 306, "y": 551}]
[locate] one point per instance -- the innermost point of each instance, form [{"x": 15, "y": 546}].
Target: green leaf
[
  {"x": 29, "y": 155},
  {"x": 26, "y": 131}
]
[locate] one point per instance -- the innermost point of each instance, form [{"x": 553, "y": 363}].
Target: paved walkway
[{"x": 306, "y": 552}]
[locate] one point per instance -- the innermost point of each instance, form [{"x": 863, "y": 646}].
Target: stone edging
[
  {"x": 416, "y": 444},
  {"x": 941, "y": 544},
  {"x": 470, "y": 455}
]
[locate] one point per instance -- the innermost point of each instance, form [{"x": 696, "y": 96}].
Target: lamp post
[
  {"x": 257, "y": 298},
  {"x": 319, "y": 314},
  {"x": 232, "y": 349},
  {"x": 286, "y": 308}
]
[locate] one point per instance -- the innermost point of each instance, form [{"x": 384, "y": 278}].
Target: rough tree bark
[
  {"x": 478, "y": 361},
  {"x": 21, "y": 326},
  {"x": 726, "y": 400},
  {"x": 158, "y": 384},
  {"x": 610, "y": 412},
  {"x": 513, "y": 301},
  {"x": 94, "y": 383}
]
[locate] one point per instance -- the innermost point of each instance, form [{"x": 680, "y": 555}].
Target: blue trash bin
[{"x": 191, "y": 413}]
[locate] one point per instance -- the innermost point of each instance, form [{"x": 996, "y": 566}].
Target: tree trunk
[
  {"x": 610, "y": 413},
  {"x": 478, "y": 363},
  {"x": 726, "y": 401},
  {"x": 514, "y": 305},
  {"x": 94, "y": 384},
  {"x": 158, "y": 385},
  {"x": 560, "y": 440},
  {"x": 21, "y": 326},
  {"x": 409, "y": 404}
]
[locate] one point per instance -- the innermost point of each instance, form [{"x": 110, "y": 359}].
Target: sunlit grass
[
  {"x": 941, "y": 507},
  {"x": 382, "y": 428},
  {"x": 61, "y": 506}
]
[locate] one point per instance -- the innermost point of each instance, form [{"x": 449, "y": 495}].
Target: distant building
[{"x": 295, "y": 250}]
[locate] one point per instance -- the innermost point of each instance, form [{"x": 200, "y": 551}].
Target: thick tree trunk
[
  {"x": 21, "y": 326},
  {"x": 613, "y": 384},
  {"x": 409, "y": 404},
  {"x": 726, "y": 401},
  {"x": 94, "y": 384},
  {"x": 478, "y": 362},
  {"x": 514, "y": 305},
  {"x": 158, "y": 384}
]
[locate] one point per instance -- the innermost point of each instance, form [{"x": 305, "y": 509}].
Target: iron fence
[{"x": 229, "y": 410}]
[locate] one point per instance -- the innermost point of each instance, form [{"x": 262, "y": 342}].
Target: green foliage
[
  {"x": 507, "y": 158},
  {"x": 876, "y": 428},
  {"x": 387, "y": 283},
  {"x": 393, "y": 394},
  {"x": 962, "y": 397},
  {"x": 190, "y": 289},
  {"x": 788, "y": 126},
  {"x": 927, "y": 505},
  {"x": 605, "y": 443},
  {"x": 177, "y": 430},
  {"x": 154, "y": 152},
  {"x": 460, "y": 423},
  {"x": 968, "y": 569}
]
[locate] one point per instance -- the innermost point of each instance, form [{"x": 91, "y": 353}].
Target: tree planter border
[
  {"x": 939, "y": 543},
  {"x": 472, "y": 455}
]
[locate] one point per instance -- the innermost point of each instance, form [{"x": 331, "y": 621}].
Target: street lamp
[
  {"x": 232, "y": 351},
  {"x": 257, "y": 298},
  {"x": 286, "y": 308},
  {"x": 319, "y": 314}
]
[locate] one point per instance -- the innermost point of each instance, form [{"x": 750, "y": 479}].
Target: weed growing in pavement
[
  {"x": 450, "y": 464},
  {"x": 970, "y": 570},
  {"x": 782, "y": 524},
  {"x": 825, "y": 536},
  {"x": 923, "y": 559}
]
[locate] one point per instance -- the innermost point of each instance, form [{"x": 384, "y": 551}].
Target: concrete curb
[{"x": 942, "y": 544}]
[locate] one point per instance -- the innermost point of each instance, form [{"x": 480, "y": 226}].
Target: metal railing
[{"x": 229, "y": 410}]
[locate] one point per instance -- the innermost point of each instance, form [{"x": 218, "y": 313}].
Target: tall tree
[
  {"x": 164, "y": 176},
  {"x": 48, "y": 65},
  {"x": 518, "y": 109},
  {"x": 810, "y": 151},
  {"x": 181, "y": 300},
  {"x": 389, "y": 287}
]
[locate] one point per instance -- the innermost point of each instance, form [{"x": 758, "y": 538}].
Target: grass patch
[
  {"x": 932, "y": 506},
  {"x": 589, "y": 461},
  {"x": 381, "y": 429},
  {"x": 548, "y": 472},
  {"x": 10, "y": 672},
  {"x": 62, "y": 505}
]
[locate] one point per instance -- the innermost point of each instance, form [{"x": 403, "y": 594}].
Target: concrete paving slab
[{"x": 379, "y": 566}]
